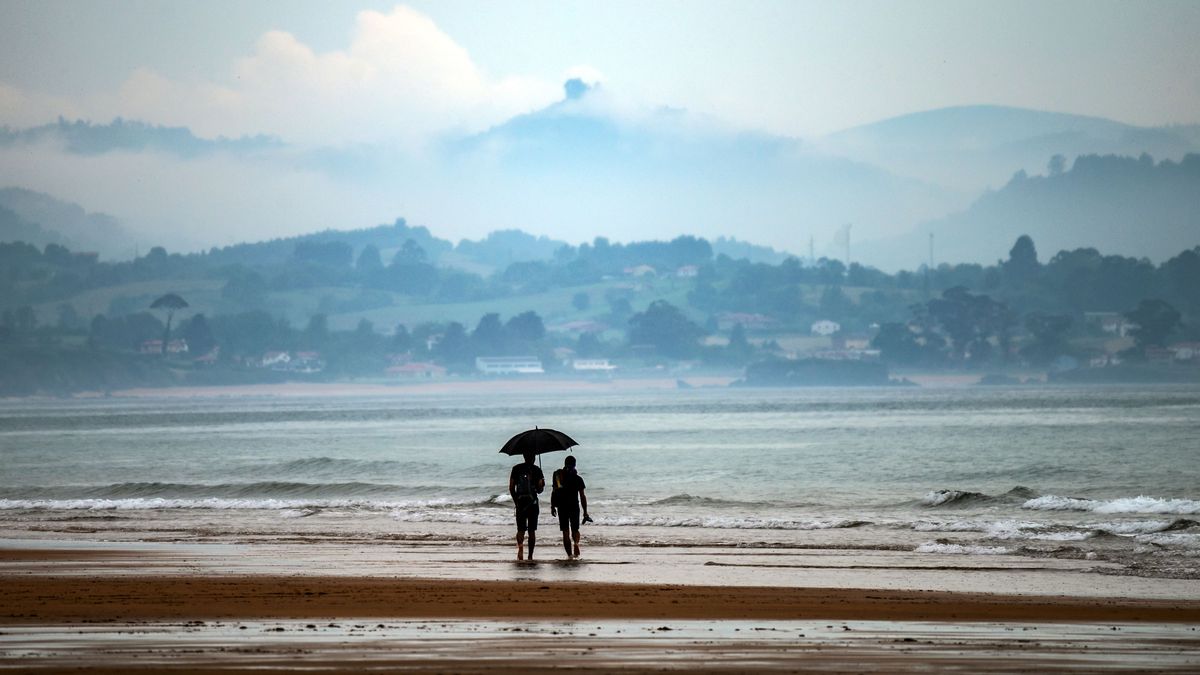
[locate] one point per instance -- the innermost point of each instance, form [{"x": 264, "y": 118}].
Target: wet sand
[
  {"x": 78, "y": 606},
  {"x": 80, "y": 598}
]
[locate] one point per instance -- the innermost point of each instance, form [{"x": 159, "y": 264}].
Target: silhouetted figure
[
  {"x": 565, "y": 499},
  {"x": 524, "y": 483}
]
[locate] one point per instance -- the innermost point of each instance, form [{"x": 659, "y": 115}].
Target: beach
[
  {"x": 874, "y": 530},
  {"x": 188, "y": 608}
]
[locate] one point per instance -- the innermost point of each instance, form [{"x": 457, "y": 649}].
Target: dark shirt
[
  {"x": 535, "y": 476},
  {"x": 570, "y": 484}
]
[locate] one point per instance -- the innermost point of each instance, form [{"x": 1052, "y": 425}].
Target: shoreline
[
  {"x": 37, "y": 599},
  {"x": 551, "y": 385}
]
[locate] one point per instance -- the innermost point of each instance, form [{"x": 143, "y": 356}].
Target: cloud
[{"x": 400, "y": 79}]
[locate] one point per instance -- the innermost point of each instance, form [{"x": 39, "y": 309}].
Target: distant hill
[
  {"x": 585, "y": 164},
  {"x": 1123, "y": 205},
  {"x": 737, "y": 249},
  {"x": 85, "y": 138},
  {"x": 387, "y": 238},
  {"x": 973, "y": 147},
  {"x": 61, "y": 222},
  {"x": 15, "y": 228}
]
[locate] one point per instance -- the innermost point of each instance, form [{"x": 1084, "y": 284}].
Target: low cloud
[{"x": 400, "y": 79}]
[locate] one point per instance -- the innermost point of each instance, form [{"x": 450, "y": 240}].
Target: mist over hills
[
  {"x": 972, "y": 148},
  {"x": 41, "y": 219},
  {"x": 623, "y": 174},
  {"x": 84, "y": 138},
  {"x": 592, "y": 165},
  {"x": 1131, "y": 206}
]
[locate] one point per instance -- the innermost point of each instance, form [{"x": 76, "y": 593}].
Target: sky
[
  {"x": 793, "y": 68},
  {"x": 362, "y": 74}
]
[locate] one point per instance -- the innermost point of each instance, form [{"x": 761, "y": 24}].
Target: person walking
[
  {"x": 525, "y": 481},
  {"x": 566, "y": 497}
]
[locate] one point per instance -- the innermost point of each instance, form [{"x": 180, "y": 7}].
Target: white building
[
  {"x": 592, "y": 366},
  {"x": 509, "y": 365},
  {"x": 825, "y": 327}
]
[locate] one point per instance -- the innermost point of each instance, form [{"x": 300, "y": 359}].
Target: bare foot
[
  {"x": 576, "y": 550},
  {"x": 520, "y": 553}
]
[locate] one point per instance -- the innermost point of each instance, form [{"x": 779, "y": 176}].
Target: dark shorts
[
  {"x": 527, "y": 517},
  {"x": 568, "y": 518}
]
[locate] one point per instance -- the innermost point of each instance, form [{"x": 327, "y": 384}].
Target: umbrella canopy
[{"x": 537, "y": 441}]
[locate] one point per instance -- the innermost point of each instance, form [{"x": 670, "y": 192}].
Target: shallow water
[{"x": 1092, "y": 473}]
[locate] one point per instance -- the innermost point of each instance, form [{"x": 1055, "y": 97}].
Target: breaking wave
[
  {"x": 226, "y": 503},
  {"x": 959, "y": 549},
  {"x": 1139, "y": 504},
  {"x": 966, "y": 497}
]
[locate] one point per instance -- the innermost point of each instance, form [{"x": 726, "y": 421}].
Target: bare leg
[
  {"x": 520, "y": 546},
  {"x": 576, "y": 536},
  {"x": 532, "y": 541},
  {"x": 567, "y": 542}
]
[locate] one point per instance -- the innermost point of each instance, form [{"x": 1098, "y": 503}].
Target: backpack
[{"x": 524, "y": 490}]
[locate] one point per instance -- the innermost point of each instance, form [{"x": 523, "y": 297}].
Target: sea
[{"x": 1097, "y": 473}]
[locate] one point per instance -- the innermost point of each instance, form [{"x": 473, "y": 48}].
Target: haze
[{"x": 706, "y": 118}]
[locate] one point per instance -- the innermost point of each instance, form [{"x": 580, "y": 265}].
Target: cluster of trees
[{"x": 959, "y": 315}]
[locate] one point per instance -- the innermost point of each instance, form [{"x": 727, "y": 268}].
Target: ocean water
[{"x": 1091, "y": 473}]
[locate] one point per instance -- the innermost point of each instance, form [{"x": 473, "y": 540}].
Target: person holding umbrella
[{"x": 526, "y": 480}]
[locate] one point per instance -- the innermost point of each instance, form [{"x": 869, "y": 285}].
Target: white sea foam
[
  {"x": 1132, "y": 527},
  {"x": 959, "y": 549},
  {"x": 1172, "y": 540},
  {"x": 1139, "y": 504},
  {"x": 498, "y": 517},
  {"x": 222, "y": 503}
]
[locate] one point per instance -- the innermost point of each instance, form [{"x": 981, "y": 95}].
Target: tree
[
  {"x": 588, "y": 345},
  {"x": 489, "y": 335},
  {"x": 199, "y": 336},
  {"x": 526, "y": 327},
  {"x": 401, "y": 340},
  {"x": 454, "y": 348},
  {"x": 410, "y": 253},
  {"x": 970, "y": 321},
  {"x": 170, "y": 303},
  {"x": 581, "y": 301},
  {"x": 1022, "y": 264},
  {"x": 665, "y": 328},
  {"x": 739, "y": 348},
  {"x": 332, "y": 253},
  {"x": 1056, "y": 165},
  {"x": 316, "y": 333},
  {"x": 369, "y": 262},
  {"x": 898, "y": 344},
  {"x": 1049, "y": 337},
  {"x": 1156, "y": 320}
]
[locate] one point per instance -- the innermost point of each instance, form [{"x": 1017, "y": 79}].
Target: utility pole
[
  {"x": 848, "y": 226},
  {"x": 929, "y": 267}
]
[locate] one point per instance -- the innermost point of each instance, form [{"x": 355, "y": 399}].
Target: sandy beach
[{"x": 111, "y": 608}]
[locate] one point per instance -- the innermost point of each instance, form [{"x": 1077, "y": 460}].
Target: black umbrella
[{"x": 537, "y": 441}]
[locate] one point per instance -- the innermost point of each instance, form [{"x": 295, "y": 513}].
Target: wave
[
  {"x": 1035, "y": 531},
  {"x": 1139, "y": 504},
  {"x": 959, "y": 549},
  {"x": 711, "y": 502},
  {"x": 227, "y": 503},
  {"x": 711, "y": 522},
  {"x": 327, "y": 467},
  {"x": 249, "y": 490},
  {"x": 966, "y": 497}
]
